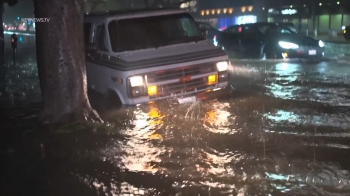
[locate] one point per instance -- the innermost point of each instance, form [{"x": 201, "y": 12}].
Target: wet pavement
[{"x": 283, "y": 131}]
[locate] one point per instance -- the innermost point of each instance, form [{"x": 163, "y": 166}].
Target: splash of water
[{"x": 194, "y": 108}]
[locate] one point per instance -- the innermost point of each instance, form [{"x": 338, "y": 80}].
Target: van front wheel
[{"x": 112, "y": 100}]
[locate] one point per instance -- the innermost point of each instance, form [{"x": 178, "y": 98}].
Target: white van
[{"x": 141, "y": 56}]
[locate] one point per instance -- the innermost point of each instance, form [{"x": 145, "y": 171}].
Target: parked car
[
  {"x": 141, "y": 56},
  {"x": 209, "y": 31},
  {"x": 269, "y": 40},
  {"x": 346, "y": 33}
]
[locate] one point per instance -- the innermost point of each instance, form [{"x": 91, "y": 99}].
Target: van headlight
[
  {"x": 321, "y": 43},
  {"x": 288, "y": 45},
  {"x": 137, "y": 87},
  {"x": 222, "y": 66},
  {"x": 136, "y": 81}
]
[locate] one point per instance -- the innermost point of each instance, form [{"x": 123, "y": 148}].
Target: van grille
[
  {"x": 181, "y": 87},
  {"x": 170, "y": 74}
]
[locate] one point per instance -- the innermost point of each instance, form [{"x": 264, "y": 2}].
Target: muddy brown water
[{"x": 283, "y": 131}]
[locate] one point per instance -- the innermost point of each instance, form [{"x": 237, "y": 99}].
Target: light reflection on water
[
  {"x": 210, "y": 151},
  {"x": 275, "y": 140},
  {"x": 142, "y": 151},
  {"x": 183, "y": 149}
]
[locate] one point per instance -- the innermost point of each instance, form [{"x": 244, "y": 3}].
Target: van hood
[
  {"x": 200, "y": 49},
  {"x": 173, "y": 54}
]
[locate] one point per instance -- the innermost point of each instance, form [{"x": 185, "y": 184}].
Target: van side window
[
  {"x": 188, "y": 27},
  {"x": 204, "y": 26},
  {"x": 100, "y": 37},
  {"x": 87, "y": 33}
]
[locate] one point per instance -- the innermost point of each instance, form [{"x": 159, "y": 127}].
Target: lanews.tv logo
[{"x": 35, "y": 20}]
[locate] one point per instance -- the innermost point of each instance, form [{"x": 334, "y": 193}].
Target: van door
[
  {"x": 93, "y": 69},
  {"x": 100, "y": 38}
]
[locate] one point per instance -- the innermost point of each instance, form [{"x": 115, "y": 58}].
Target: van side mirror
[
  {"x": 91, "y": 46},
  {"x": 204, "y": 32}
]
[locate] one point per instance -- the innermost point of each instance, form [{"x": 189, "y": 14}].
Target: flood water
[{"x": 283, "y": 131}]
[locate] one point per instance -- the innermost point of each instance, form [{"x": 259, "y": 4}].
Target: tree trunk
[{"x": 61, "y": 62}]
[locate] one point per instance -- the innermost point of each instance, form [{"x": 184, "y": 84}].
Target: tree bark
[{"x": 61, "y": 62}]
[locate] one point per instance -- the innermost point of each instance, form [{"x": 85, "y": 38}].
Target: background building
[
  {"x": 224, "y": 13},
  {"x": 309, "y": 15}
]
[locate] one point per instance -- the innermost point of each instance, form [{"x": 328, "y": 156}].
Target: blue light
[
  {"x": 225, "y": 22},
  {"x": 20, "y": 39},
  {"x": 18, "y": 17}
]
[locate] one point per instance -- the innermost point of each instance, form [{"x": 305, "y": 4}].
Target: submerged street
[{"x": 283, "y": 131}]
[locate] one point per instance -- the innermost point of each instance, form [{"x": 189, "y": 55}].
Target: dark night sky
[
  {"x": 208, "y": 4},
  {"x": 23, "y": 9}
]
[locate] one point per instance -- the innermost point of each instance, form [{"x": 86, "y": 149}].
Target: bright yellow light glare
[
  {"x": 344, "y": 31},
  {"x": 217, "y": 119},
  {"x": 156, "y": 119},
  {"x": 153, "y": 112},
  {"x": 212, "y": 79},
  {"x": 152, "y": 90},
  {"x": 210, "y": 117},
  {"x": 155, "y": 136}
]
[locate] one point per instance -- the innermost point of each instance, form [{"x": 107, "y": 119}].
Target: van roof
[{"x": 133, "y": 12}]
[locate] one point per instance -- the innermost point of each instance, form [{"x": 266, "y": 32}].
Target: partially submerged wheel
[{"x": 112, "y": 100}]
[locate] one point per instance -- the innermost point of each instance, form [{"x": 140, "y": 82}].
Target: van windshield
[{"x": 153, "y": 32}]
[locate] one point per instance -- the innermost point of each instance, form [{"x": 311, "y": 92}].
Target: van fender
[{"x": 114, "y": 95}]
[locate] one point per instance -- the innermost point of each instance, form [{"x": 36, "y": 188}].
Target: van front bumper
[{"x": 202, "y": 94}]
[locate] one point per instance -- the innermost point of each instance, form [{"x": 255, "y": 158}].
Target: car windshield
[
  {"x": 274, "y": 29},
  {"x": 153, "y": 32}
]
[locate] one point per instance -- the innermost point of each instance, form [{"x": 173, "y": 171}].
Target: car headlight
[
  {"x": 222, "y": 66},
  {"x": 288, "y": 45},
  {"x": 136, "y": 81},
  {"x": 321, "y": 44}
]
